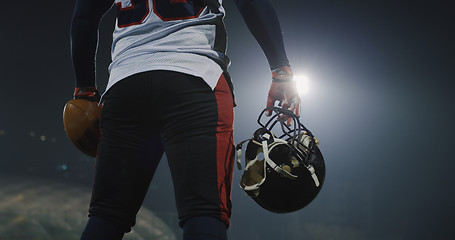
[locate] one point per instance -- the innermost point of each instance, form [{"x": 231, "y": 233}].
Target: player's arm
[
  {"x": 84, "y": 41},
  {"x": 262, "y": 21}
]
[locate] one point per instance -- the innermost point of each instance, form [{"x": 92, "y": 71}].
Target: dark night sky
[{"x": 380, "y": 102}]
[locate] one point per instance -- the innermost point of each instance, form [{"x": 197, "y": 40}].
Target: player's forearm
[
  {"x": 262, "y": 20},
  {"x": 84, "y": 39}
]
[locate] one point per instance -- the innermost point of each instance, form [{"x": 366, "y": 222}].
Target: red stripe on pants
[{"x": 225, "y": 146}]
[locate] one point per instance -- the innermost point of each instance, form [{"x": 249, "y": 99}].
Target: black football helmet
[{"x": 284, "y": 168}]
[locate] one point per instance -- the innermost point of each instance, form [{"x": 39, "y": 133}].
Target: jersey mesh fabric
[{"x": 186, "y": 45}]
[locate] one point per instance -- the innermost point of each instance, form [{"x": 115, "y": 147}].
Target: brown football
[{"x": 81, "y": 121}]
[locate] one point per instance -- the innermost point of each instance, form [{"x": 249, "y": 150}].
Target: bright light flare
[{"x": 302, "y": 84}]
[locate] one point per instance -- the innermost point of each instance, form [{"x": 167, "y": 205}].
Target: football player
[{"x": 169, "y": 91}]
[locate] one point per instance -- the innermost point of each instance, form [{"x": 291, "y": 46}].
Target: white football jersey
[{"x": 186, "y": 36}]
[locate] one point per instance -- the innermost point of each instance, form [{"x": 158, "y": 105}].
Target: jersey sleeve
[
  {"x": 84, "y": 38},
  {"x": 262, "y": 21}
]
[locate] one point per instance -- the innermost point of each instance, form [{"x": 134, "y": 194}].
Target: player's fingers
[
  {"x": 297, "y": 108},
  {"x": 295, "y": 105},
  {"x": 285, "y": 118},
  {"x": 292, "y": 109},
  {"x": 270, "y": 103},
  {"x": 289, "y": 122}
]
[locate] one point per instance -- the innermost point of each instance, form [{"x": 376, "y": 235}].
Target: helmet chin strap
[
  {"x": 280, "y": 170},
  {"x": 273, "y": 165},
  {"x": 239, "y": 153},
  {"x": 265, "y": 149},
  {"x": 313, "y": 175},
  {"x": 305, "y": 140}
]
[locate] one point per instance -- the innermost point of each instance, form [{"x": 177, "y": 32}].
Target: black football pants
[{"x": 154, "y": 112}]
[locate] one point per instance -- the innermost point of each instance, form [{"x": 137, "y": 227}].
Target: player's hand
[
  {"x": 284, "y": 91},
  {"x": 89, "y": 93}
]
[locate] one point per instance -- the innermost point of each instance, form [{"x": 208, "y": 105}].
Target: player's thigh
[
  {"x": 128, "y": 153},
  {"x": 200, "y": 151}
]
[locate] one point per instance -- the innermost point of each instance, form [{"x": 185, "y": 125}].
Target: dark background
[{"x": 380, "y": 101}]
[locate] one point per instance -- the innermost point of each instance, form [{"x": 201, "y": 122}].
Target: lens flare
[{"x": 302, "y": 84}]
